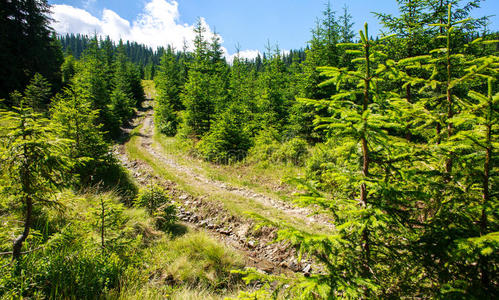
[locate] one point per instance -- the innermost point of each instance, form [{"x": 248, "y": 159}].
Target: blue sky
[{"x": 249, "y": 23}]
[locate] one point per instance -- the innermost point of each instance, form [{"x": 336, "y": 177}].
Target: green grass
[
  {"x": 160, "y": 292},
  {"x": 193, "y": 265},
  {"x": 149, "y": 88},
  {"x": 140, "y": 261},
  {"x": 265, "y": 178}
]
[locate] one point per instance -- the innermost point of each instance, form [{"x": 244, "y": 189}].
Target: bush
[
  {"x": 166, "y": 119},
  {"x": 268, "y": 148},
  {"x": 319, "y": 160},
  {"x": 152, "y": 197},
  {"x": 72, "y": 271},
  {"x": 325, "y": 159},
  {"x": 227, "y": 141},
  {"x": 293, "y": 151},
  {"x": 165, "y": 216},
  {"x": 109, "y": 175},
  {"x": 120, "y": 106},
  {"x": 159, "y": 205},
  {"x": 266, "y": 144},
  {"x": 71, "y": 263}
]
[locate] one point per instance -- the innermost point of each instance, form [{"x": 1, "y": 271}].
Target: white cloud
[
  {"x": 157, "y": 25},
  {"x": 114, "y": 26},
  {"x": 69, "y": 19},
  {"x": 244, "y": 54}
]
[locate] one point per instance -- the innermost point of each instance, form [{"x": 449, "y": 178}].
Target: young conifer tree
[
  {"x": 452, "y": 83},
  {"x": 92, "y": 76},
  {"x": 219, "y": 75},
  {"x": 68, "y": 69},
  {"x": 346, "y": 26},
  {"x": 478, "y": 149},
  {"x": 242, "y": 91},
  {"x": 33, "y": 162},
  {"x": 76, "y": 120},
  {"x": 122, "y": 101},
  {"x": 413, "y": 38},
  {"x": 273, "y": 98},
  {"x": 168, "y": 81},
  {"x": 358, "y": 255},
  {"x": 38, "y": 93},
  {"x": 199, "y": 105}
]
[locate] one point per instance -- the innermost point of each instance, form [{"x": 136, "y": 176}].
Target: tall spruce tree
[
  {"x": 205, "y": 87},
  {"x": 357, "y": 256},
  {"x": 92, "y": 76},
  {"x": 478, "y": 150},
  {"x": 273, "y": 98},
  {"x": 68, "y": 69},
  {"x": 37, "y": 93},
  {"x": 168, "y": 86},
  {"x": 75, "y": 119},
  {"x": 28, "y": 45},
  {"x": 122, "y": 100},
  {"x": 346, "y": 26}
]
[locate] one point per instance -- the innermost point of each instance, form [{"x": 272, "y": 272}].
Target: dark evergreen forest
[{"x": 148, "y": 59}]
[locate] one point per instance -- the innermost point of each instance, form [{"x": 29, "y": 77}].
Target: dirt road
[{"x": 232, "y": 229}]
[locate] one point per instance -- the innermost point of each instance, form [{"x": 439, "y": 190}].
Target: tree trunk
[
  {"x": 18, "y": 242},
  {"x": 26, "y": 192},
  {"x": 450, "y": 112},
  {"x": 484, "y": 274},
  {"x": 365, "y": 165},
  {"x": 102, "y": 223}
]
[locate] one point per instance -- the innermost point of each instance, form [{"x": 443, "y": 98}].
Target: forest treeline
[
  {"x": 397, "y": 135},
  {"x": 147, "y": 59}
]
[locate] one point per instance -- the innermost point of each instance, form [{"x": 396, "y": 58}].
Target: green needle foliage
[
  {"x": 273, "y": 97},
  {"x": 228, "y": 140},
  {"x": 205, "y": 90},
  {"x": 72, "y": 112},
  {"x": 413, "y": 214},
  {"x": 396, "y": 135},
  {"x": 122, "y": 100},
  {"x": 33, "y": 164},
  {"x": 108, "y": 220},
  {"x": 478, "y": 152},
  {"x": 168, "y": 82},
  {"x": 356, "y": 256},
  {"x": 445, "y": 113},
  {"x": 38, "y": 93}
]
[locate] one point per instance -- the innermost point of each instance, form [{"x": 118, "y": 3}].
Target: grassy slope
[{"x": 160, "y": 265}]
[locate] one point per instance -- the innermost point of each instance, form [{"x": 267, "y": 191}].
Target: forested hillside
[
  {"x": 363, "y": 167},
  {"x": 147, "y": 59},
  {"x": 142, "y": 56}
]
